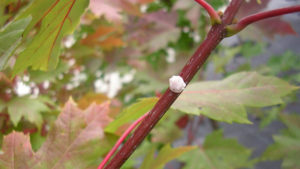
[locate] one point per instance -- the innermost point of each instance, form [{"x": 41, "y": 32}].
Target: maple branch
[
  {"x": 214, "y": 17},
  {"x": 214, "y": 37},
  {"x": 121, "y": 139},
  {"x": 244, "y": 22}
]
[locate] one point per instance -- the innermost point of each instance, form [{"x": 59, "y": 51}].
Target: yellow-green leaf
[
  {"x": 132, "y": 113},
  {"x": 60, "y": 19},
  {"x": 28, "y": 108},
  {"x": 10, "y": 38},
  {"x": 287, "y": 145},
  {"x": 166, "y": 154},
  {"x": 226, "y": 100}
]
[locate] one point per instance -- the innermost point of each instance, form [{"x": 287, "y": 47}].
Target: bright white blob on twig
[{"x": 176, "y": 84}]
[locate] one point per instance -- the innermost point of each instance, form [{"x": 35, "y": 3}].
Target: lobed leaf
[
  {"x": 59, "y": 19},
  {"x": 75, "y": 137},
  {"x": 76, "y": 141},
  {"x": 28, "y": 108},
  {"x": 226, "y": 100},
  {"x": 287, "y": 145},
  {"x": 159, "y": 28},
  {"x": 218, "y": 152},
  {"x": 16, "y": 152}
]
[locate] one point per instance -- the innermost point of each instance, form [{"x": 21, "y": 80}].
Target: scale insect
[{"x": 176, "y": 84}]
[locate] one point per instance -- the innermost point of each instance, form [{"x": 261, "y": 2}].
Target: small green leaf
[
  {"x": 226, "y": 100},
  {"x": 28, "y": 108},
  {"x": 287, "y": 145},
  {"x": 132, "y": 113},
  {"x": 164, "y": 156},
  {"x": 60, "y": 19},
  {"x": 218, "y": 152},
  {"x": 250, "y": 49},
  {"x": 270, "y": 117},
  {"x": 285, "y": 62},
  {"x": 10, "y": 38},
  {"x": 222, "y": 58}
]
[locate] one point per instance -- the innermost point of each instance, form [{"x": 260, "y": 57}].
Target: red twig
[
  {"x": 214, "y": 37},
  {"x": 244, "y": 22},
  {"x": 215, "y": 18},
  {"x": 121, "y": 139}
]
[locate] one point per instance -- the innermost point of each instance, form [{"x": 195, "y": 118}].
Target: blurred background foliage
[{"x": 124, "y": 50}]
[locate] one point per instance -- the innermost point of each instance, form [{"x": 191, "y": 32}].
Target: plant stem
[
  {"x": 214, "y": 37},
  {"x": 121, "y": 139},
  {"x": 244, "y": 22},
  {"x": 214, "y": 17}
]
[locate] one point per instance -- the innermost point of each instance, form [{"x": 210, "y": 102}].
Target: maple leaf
[
  {"x": 28, "y": 108},
  {"x": 226, "y": 100},
  {"x": 76, "y": 140},
  {"x": 59, "y": 19},
  {"x": 218, "y": 152},
  {"x": 153, "y": 31},
  {"x": 75, "y": 137},
  {"x": 287, "y": 145},
  {"x": 16, "y": 152},
  {"x": 269, "y": 27}
]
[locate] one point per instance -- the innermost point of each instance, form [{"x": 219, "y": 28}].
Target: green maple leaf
[
  {"x": 218, "y": 152},
  {"x": 287, "y": 145},
  {"x": 226, "y": 100},
  {"x": 28, "y": 108},
  {"x": 285, "y": 62},
  {"x": 58, "y": 19}
]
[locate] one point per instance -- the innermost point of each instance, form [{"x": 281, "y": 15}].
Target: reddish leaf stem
[
  {"x": 244, "y": 22},
  {"x": 214, "y": 17},
  {"x": 121, "y": 139},
  {"x": 214, "y": 37}
]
